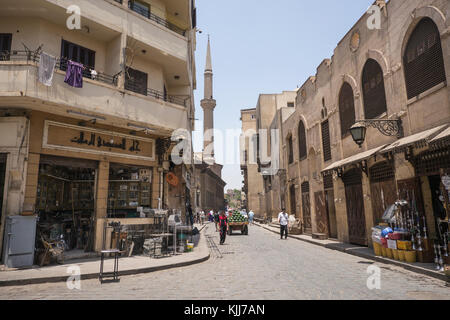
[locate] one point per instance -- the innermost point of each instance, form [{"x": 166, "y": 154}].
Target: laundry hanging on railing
[
  {"x": 74, "y": 74},
  {"x": 47, "y": 65}
]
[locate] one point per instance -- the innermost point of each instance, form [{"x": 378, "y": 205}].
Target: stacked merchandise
[
  {"x": 404, "y": 237},
  {"x": 237, "y": 217}
]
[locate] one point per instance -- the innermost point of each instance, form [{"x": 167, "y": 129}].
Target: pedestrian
[
  {"x": 216, "y": 220},
  {"x": 223, "y": 225},
  {"x": 283, "y": 219},
  {"x": 202, "y": 216},
  {"x": 250, "y": 216},
  {"x": 211, "y": 216},
  {"x": 198, "y": 217},
  {"x": 190, "y": 214}
]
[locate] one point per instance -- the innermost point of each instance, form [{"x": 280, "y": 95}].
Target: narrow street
[{"x": 253, "y": 267}]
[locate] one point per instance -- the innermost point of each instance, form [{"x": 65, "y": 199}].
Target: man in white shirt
[{"x": 283, "y": 219}]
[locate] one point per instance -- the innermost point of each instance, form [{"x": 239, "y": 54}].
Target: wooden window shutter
[
  {"x": 302, "y": 141},
  {"x": 423, "y": 59},
  {"x": 326, "y": 144},
  {"x": 373, "y": 90},
  {"x": 346, "y": 108}
]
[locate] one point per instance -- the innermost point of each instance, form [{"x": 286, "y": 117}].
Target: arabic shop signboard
[{"x": 63, "y": 136}]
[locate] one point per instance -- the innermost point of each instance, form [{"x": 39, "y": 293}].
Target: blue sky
[{"x": 262, "y": 46}]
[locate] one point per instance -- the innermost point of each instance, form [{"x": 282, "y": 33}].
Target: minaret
[{"x": 208, "y": 104}]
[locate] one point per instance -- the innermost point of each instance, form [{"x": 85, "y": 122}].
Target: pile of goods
[{"x": 237, "y": 217}]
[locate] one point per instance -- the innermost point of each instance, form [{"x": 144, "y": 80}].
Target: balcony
[
  {"x": 61, "y": 64},
  {"x": 99, "y": 95}
]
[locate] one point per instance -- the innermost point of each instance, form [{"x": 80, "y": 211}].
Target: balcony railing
[
  {"x": 61, "y": 63},
  {"x": 149, "y": 15},
  {"x": 139, "y": 87}
]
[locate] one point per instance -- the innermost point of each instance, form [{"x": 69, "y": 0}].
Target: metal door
[
  {"x": 355, "y": 207},
  {"x": 20, "y": 233},
  {"x": 2, "y": 182},
  {"x": 321, "y": 213}
]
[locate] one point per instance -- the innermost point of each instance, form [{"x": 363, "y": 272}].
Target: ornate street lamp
[{"x": 387, "y": 127}]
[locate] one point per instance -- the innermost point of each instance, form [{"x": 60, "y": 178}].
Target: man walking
[
  {"x": 223, "y": 226},
  {"x": 216, "y": 220},
  {"x": 250, "y": 217},
  {"x": 283, "y": 219}
]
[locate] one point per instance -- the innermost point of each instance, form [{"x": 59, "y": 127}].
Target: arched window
[
  {"x": 290, "y": 150},
  {"x": 423, "y": 59},
  {"x": 346, "y": 108},
  {"x": 373, "y": 89},
  {"x": 302, "y": 140}
]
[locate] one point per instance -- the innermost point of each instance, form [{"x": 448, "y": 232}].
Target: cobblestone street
[{"x": 257, "y": 266}]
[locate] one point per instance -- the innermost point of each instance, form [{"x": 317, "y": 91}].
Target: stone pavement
[
  {"x": 90, "y": 268},
  {"x": 364, "y": 252},
  {"x": 254, "y": 267}
]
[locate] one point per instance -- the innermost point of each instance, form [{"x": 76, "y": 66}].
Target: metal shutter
[{"x": 423, "y": 59}]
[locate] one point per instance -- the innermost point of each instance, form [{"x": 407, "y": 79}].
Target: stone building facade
[{"x": 400, "y": 71}]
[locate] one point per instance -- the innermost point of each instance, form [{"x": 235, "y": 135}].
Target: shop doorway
[
  {"x": 439, "y": 212},
  {"x": 355, "y": 207},
  {"x": 329, "y": 205},
  {"x": 65, "y": 203},
  {"x": 2, "y": 191},
  {"x": 306, "y": 206},
  {"x": 382, "y": 189},
  {"x": 293, "y": 200},
  {"x": 2, "y": 182},
  {"x": 321, "y": 213}
]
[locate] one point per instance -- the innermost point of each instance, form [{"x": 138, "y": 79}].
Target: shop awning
[
  {"x": 418, "y": 140},
  {"x": 353, "y": 159},
  {"x": 442, "y": 139}
]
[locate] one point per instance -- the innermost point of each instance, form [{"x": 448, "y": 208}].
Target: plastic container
[
  {"x": 401, "y": 255},
  {"x": 404, "y": 245},
  {"x": 395, "y": 254},
  {"x": 377, "y": 249},
  {"x": 389, "y": 253},
  {"x": 190, "y": 247},
  {"x": 383, "y": 251},
  {"x": 410, "y": 256}
]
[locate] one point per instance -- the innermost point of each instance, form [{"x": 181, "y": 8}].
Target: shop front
[
  {"x": 415, "y": 227},
  {"x": 88, "y": 176}
]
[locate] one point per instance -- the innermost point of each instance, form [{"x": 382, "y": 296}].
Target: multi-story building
[
  {"x": 253, "y": 180},
  {"x": 268, "y": 107},
  {"x": 398, "y": 72},
  {"x": 86, "y": 126}
]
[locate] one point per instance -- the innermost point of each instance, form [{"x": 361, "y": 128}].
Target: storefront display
[
  {"x": 65, "y": 203},
  {"x": 130, "y": 188}
]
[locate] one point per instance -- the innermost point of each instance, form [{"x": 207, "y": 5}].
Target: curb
[
  {"x": 21, "y": 282},
  {"x": 409, "y": 267}
]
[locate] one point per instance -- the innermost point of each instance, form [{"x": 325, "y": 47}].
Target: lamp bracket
[{"x": 386, "y": 127}]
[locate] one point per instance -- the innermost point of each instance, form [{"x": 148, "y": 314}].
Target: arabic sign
[{"x": 75, "y": 138}]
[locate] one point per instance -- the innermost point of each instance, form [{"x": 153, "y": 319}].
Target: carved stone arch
[
  {"x": 416, "y": 16},
  {"x": 379, "y": 57},
  {"x": 353, "y": 83}
]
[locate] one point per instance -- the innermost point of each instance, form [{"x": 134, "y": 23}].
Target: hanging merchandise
[
  {"x": 47, "y": 65},
  {"x": 74, "y": 74}
]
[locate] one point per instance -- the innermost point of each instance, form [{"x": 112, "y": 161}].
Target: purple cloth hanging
[{"x": 74, "y": 74}]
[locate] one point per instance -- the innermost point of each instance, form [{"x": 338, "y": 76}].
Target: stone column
[{"x": 101, "y": 202}]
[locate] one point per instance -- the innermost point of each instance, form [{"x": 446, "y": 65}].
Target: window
[
  {"x": 302, "y": 140},
  {"x": 140, "y": 7},
  {"x": 373, "y": 90},
  {"x": 290, "y": 150},
  {"x": 5, "y": 46},
  {"x": 76, "y": 53},
  {"x": 346, "y": 108},
  {"x": 290, "y": 105},
  {"x": 423, "y": 59},
  {"x": 326, "y": 141},
  {"x": 253, "y": 116},
  {"x": 136, "y": 81}
]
